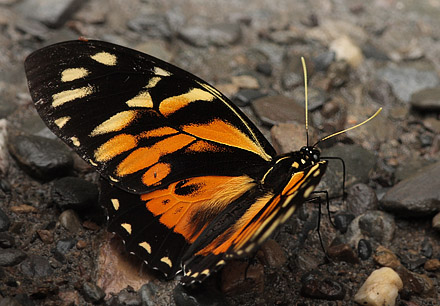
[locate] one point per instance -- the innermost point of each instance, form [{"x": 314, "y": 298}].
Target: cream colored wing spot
[
  {"x": 143, "y": 99},
  {"x": 221, "y": 262},
  {"x": 288, "y": 214},
  {"x": 115, "y": 123},
  {"x": 171, "y": 105},
  {"x": 195, "y": 274},
  {"x": 205, "y": 272},
  {"x": 316, "y": 173},
  {"x": 167, "y": 261},
  {"x": 289, "y": 198},
  {"x": 113, "y": 179},
  {"x": 105, "y": 58},
  {"x": 92, "y": 162},
  {"x": 127, "y": 227},
  {"x": 72, "y": 74},
  {"x": 295, "y": 165},
  {"x": 309, "y": 191},
  {"x": 249, "y": 248},
  {"x": 145, "y": 246},
  {"x": 153, "y": 82},
  {"x": 161, "y": 72},
  {"x": 60, "y": 98},
  {"x": 60, "y": 122},
  {"x": 303, "y": 161},
  {"x": 115, "y": 203},
  {"x": 75, "y": 141}
]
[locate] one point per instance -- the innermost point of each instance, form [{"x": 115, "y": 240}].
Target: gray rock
[
  {"x": 151, "y": 25},
  {"x": 70, "y": 221},
  {"x": 222, "y": 34},
  {"x": 92, "y": 292},
  {"x": 36, "y": 266},
  {"x": 4, "y": 221},
  {"x": 74, "y": 193},
  {"x": 287, "y": 110},
  {"x": 427, "y": 99},
  {"x": 41, "y": 157},
  {"x": 360, "y": 199},
  {"x": 418, "y": 195},
  {"x": 11, "y": 257}
]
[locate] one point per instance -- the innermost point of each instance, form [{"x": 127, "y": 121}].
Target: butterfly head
[{"x": 312, "y": 154}]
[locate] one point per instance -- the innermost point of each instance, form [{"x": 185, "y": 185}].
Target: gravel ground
[{"x": 54, "y": 247}]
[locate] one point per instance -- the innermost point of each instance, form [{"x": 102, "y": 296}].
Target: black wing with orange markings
[
  {"x": 189, "y": 181},
  {"x": 141, "y": 122}
]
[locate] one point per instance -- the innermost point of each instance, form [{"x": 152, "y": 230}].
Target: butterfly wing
[{"x": 143, "y": 123}]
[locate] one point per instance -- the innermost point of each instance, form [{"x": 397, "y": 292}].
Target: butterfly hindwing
[{"x": 141, "y": 122}]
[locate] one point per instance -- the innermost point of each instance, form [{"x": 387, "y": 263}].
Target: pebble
[
  {"x": 74, "y": 193},
  {"x": 4, "y": 221},
  {"x": 289, "y": 137},
  {"x": 322, "y": 61},
  {"x": 418, "y": 195},
  {"x": 10, "y": 301},
  {"x": 11, "y": 257},
  {"x": 41, "y": 157},
  {"x": 287, "y": 110},
  {"x": 364, "y": 249},
  {"x": 65, "y": 245},
  {"x": 360, "y": 199},
  {"x": 386, "y": 257},
  {"x": 378, "y": 225},
  {"x": 345, "y": 49},
  {"x": 380, "y": 288},
  {"x": 427, "y": 99},
  {"x": 245, "y": 97},
  {"x": 313, "y": 286},
  {"x": 272, "y": 254},
  {"x": 432, "y": 265},
  {"x": 407, "y": 80},
  {"x": 198, "y": 297},
  {"x": 432, "y": 124},
  {"x": 245, "y": 81},
  {"x": 23, "y": 209},
  {"x": 36, "y": 266},
  {"x": 92, "y": 292},
  {"x": 342, "y": 221},
  {"x": 6, "y": 240},
  {"x": 46, "y": 236},
  {"x": 238, "y": 277},
  {"x": 70, "y": 221},
  {"x": 415, "y": 283},
  {"x": 426, "y": 249},
  {"x": 53, "y": 13},
  {"x": 148, "y": 292},
  {"x": 129, "y": 298},
  {"x": 338, "y": 74},
  {"x": 342, "y": 252},
  {"x": 264, "y": 68},
  {"x": 221, "y": 35}
]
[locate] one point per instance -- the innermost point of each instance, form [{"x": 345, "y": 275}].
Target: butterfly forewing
[{"x": 141, "y": 122}]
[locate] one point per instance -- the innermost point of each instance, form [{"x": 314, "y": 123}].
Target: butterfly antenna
[
  {"x": 306, "y": 99},
  {"x": 350, "y": 128}
]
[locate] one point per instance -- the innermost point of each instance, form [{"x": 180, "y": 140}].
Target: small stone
[
  {"x": 41, "y": 157},
  {"x": 11, "y": 257},
  {"x": 323, "y": 60},
  {"x": 23, "y": 209},
  {"x": 338, "y": 74},
  {"x": 287, "y": 110},
  {"x": 432, "y": 124},
  {"x": 378, "y": 225},
  {"x": 289, "y": 137},
  {"x": 92, "y": 292},
  {"x": 74, "y": 193},
  {"x": 264, "y": 68},
  {"x": 313, "y": 286},
  {"x": 432, "y": 265},
  {"x": 148, "y": 293},
  {"x": 342, "y": 221},
  {"x": 10, "y": 301},
  {"x": 129, "y": 297},
  {"x": 4, "y": 221},
  {"x": 81, "y": 244},
  {"x": 151, "y": 25},
  {"x": 245, "y": 97},
  {"x": 53, "y": 13},
  {"x": 427, "y": 99},
  {"x": 418, "y": 195},
  {"x": 436, "y": 221},
  {"x": 6, "y": 240},
  {"x": 70, "y": 221},
  {"x": 386, "y": 257},
  {"x": 245, "y": 81},
  {"x": 345, "y": 49},
  {"x": 364, "y": 249},
  {"x": 239, "y": 277},
  {"x": 91, "y": 225},
  {"x": 65, "y": 245},
  {"x": 46, "y": 236},
  {"x": 70, "y": 297},
  {"x": 415, "y": 283},
  {"x": 343, "y": 252},
  {"x": 361, "y": 198},
  {"x": 36, "y": 266},
  {"x": 271, "y": 254},
  {"x": 426, "y": 249},
  {"x": 380, "y": 288}
]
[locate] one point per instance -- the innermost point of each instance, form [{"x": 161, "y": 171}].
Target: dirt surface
[{"x": 54, "y": 247}]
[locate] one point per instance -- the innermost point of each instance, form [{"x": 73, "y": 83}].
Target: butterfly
[{"x": 188, "y": 181}]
